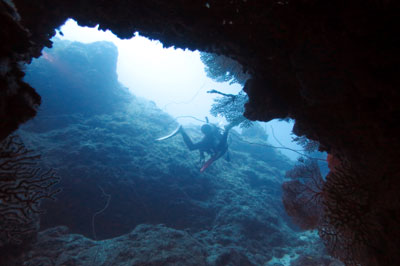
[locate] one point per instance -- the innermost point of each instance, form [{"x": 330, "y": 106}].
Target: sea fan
[
  {"x": 22, "y": 187},
  {"x": 302, "y": 194}
]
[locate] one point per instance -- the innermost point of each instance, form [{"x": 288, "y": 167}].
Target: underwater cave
[{"x": 331, "y": 67}]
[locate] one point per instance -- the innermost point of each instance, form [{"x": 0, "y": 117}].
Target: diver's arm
[{"x": 223, "y": 144}]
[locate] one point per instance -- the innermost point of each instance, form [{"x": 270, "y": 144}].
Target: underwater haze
[
  {"x": 131, "y": 194},
  {"x": 174, "y": 79}
]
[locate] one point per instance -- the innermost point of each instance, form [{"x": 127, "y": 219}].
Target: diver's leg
[
  {"x": 224, "y": 141},
  {"x": 222, "y": 147},
  {"x": 227, "y": 157},
  {"x": 221, "y": 152},
  {"x": 187, "y": 140}
]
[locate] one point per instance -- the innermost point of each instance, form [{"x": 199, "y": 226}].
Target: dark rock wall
[
  {"x": 18, "y": 100},
  {"x": 331, "y": 66}
]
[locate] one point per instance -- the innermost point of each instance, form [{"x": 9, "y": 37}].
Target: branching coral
[
  {"x": 302, "y": 194},
  {"x": 347, "y": 226},
  {"x": 223, "y": 69},
  {"x": 231, "y": 107},
  {"x": 22, "y": 187},
  {"x": 339, "y": 207},
  {"x": 307, "y": 144}
]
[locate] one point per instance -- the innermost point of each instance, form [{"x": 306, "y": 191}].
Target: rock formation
[
  {"x": 332, "y": 66},
  {"x": 119, "y": 185}
]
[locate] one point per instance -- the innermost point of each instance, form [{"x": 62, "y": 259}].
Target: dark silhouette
[{"x": 214, "y": 142}]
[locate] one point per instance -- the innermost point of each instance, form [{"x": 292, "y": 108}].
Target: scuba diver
[{"x": 214, "y": 142}]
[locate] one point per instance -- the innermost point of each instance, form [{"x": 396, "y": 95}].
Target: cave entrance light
[{"x": 174, "y": 79}]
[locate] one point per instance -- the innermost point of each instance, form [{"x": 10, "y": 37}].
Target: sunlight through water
[{"x": 174, "y": 79}]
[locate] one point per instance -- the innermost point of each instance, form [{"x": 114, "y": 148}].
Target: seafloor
[{"x": 129, "y": 200}]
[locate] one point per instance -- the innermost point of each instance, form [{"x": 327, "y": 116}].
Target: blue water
[{"x": 128, "y": 199}]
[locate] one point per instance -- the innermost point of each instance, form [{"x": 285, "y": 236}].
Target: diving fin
[
  {"x": 176, "y": 131},
  {"x": 207, "y": 164},
  {"x": 213, "y": 159}
]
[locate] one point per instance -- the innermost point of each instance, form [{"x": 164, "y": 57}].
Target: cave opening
[
  {"x": 104, "y": 103},
  {"x": 324, "y": 65},
  {"x": 175, "y": 80}
]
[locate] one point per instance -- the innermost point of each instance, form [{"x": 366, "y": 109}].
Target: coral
[
  {"x": 345, "y": 209},
  {"x": 223, "y": 69},
  {"x": 231, "y": 107},
  {"x": 302, "y": 195},
  {"x": 22, "y": 187},
  {"x": 333, "y": 162},
  {"x": 308, "y": 144},
  {"x": 347, "y": 225}
]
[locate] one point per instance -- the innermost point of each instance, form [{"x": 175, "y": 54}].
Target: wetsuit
[{"x": 214, "y": 143}]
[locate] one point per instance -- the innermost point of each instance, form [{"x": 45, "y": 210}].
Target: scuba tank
[{"x": 215, "y": 132}]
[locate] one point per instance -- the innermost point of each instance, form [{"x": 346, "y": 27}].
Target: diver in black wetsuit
[{"x": 214, "y": 142}]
